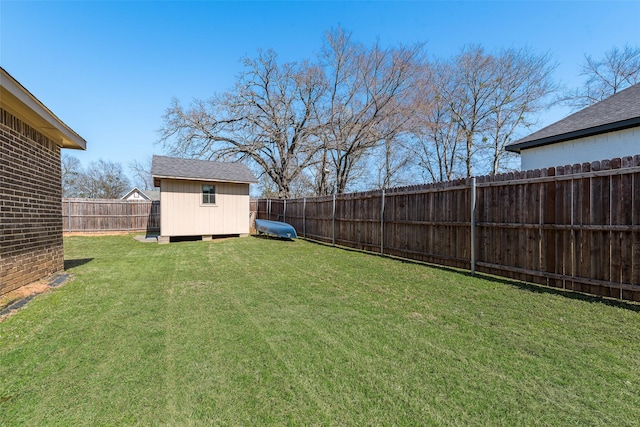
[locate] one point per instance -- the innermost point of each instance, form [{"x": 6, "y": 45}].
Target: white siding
[
  {"x": 135, "y": 196},
  {"x": 599, "y": 147},
  {"x": 183, "y": 214}
]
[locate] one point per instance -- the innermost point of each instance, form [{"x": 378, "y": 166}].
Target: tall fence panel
[
  {"x": 106, "y": 215},
  {"x": 429, "y": 223},
  {"x": 319, "y": 219},
  {"x": 574, "y": 227}
]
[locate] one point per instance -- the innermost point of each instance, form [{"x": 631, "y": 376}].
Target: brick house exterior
[{"x": 31, "y": 137}]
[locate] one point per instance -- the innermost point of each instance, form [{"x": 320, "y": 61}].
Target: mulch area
[{"x": 18, "y": 298}]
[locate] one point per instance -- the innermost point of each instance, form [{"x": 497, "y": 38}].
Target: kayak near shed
[{"x": 276, "y": 228}]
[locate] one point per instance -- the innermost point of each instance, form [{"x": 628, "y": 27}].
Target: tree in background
[
  {"x": 523, "y": 86},
  {"x": 71, "y": 175},
  {"x": 617, "y": 70},
  {"x": 104, "y": 179},
  {"x": 101, "y": 180},
  {"x": 474, "y": 83},
  {"x": 268, "y": 119},
  {"x": 354, "y": 116},
  {"x": 307, "y": 122},
  {"x": 473, "y": 105},
  {"x": 365, "y": 106},
  {"x": 141, "y": 172},
  {"x": 391, "y": 160},
  {"x": 437, "y": 135}
]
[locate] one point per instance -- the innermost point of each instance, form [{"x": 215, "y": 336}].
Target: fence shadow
[
  {"x": 566, "y": 293},
  {"x": 529, "y": 287},
  {"x": 270, "y": 237}
]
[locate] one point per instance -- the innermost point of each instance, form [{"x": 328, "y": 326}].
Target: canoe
[{"x": 275, "y": 228}]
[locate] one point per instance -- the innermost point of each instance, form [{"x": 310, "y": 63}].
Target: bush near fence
[
  {"x": 109, "y": 216},
  {"x": 574, "y": 227}
]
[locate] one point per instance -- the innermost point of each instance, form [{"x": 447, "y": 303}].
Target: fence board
[
  {"x": 575, "y": 227},
  {"x": 105, "y": 215}
]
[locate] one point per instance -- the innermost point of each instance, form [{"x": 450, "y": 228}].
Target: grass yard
[{"x": 254, "y": 331}]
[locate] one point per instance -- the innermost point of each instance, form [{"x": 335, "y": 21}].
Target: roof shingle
[
  {"x": 619, "y": 111},
  {"x": 200, "y": 170}
]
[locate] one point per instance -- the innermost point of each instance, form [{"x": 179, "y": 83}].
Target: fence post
[
  {"x": 268, "y": 208},
  {"x": 284, "y": 211},
  {"x": 334, "y": 219},
  {"x": 128, "y": 215},
  {"x": 304, "y": 217},
  {"x": 473, "y": 226},
  {"x": 69, "y": 213},
  {"x": 382, "y": 225},
  {"x": 573, "y": 236}
]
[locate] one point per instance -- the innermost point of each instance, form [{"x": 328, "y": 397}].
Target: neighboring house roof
[
  {"x": 617, "y": 112},
  {"x": 145, "y": 194},
  {"x": 199, "y": 170},
  {"x": 152, "y": 194},
  {"x": 18, "y": 101}
]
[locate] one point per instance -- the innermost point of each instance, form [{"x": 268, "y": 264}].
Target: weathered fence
[
  {"x": 573, "y": 227},
  {"x": 105, "y": 215}
]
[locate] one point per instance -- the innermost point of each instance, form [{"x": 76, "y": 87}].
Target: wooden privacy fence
[
  {"x": 106, "y": 215},
  {"x": 573, "y": 227}
]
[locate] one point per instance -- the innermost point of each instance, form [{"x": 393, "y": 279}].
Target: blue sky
[{"x": 110, "y": 69}]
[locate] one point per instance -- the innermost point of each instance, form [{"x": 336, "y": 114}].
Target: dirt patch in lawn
[{"x": 16, "y": 299}]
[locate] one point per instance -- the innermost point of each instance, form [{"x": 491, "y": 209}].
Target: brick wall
[{"x": 30, "y": 205}]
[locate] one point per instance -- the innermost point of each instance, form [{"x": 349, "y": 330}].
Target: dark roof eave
[
  {"x": 517, "y": 147},
  {"x": 190, "y": 178}
]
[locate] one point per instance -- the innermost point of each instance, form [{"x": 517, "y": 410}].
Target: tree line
[
  {"x": 359, "y": 117},
  {"x": 102, "y": 179},
  {"x": 379, "y": 116}
]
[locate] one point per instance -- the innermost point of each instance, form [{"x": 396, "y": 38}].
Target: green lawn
[{"x": 254, "y": 331}]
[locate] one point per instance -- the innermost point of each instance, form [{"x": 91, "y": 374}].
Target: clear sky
[{"x": 109, "y": 69}]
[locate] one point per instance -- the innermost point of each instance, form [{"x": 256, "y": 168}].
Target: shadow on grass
[
  {"x": 529, "y": 287},
  {"x": 72, "y": 263},
  {"x": 575, "y": 295},
  {"x": 269, "y": 237}
]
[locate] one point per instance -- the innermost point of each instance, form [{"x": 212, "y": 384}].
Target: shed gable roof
[
  {"x": 199, "y": 170},
  {"x": 617, "y": 112}
]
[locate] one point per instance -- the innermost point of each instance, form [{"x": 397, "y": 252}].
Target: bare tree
[
  {"x": 469, "y": 99},
  {"x": 523, "y": 85},
  {"x": 474, "y": 105},
  {"x": 142, "y": 174},
  {"x": 618, "y": 69},
  {"x": 103, "y": 180},
  {"x": 436, "y": 132},
  {"x": 268, "y": 119},
  {"x": 364, "y": 105},
  {"x": 71, "y": 173}
]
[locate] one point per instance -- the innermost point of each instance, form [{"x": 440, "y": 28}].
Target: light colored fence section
[
  {"x": 106, "y": 215},
  {"x": 574, "y": 227}
]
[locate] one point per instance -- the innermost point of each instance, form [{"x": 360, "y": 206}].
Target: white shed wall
[
  {"x": 182, "y": 212},
  {"x": 598, "y": 147}
]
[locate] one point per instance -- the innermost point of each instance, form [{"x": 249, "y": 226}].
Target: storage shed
[
  {"x": 202, "y": 198},
  {"x": 31, "y": 137}
]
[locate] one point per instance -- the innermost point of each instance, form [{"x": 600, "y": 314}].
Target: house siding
[
  {"x": 583, "y": 150},
  {"x": 31, "y": 245},
  {"x": 183, "y": 214}
]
